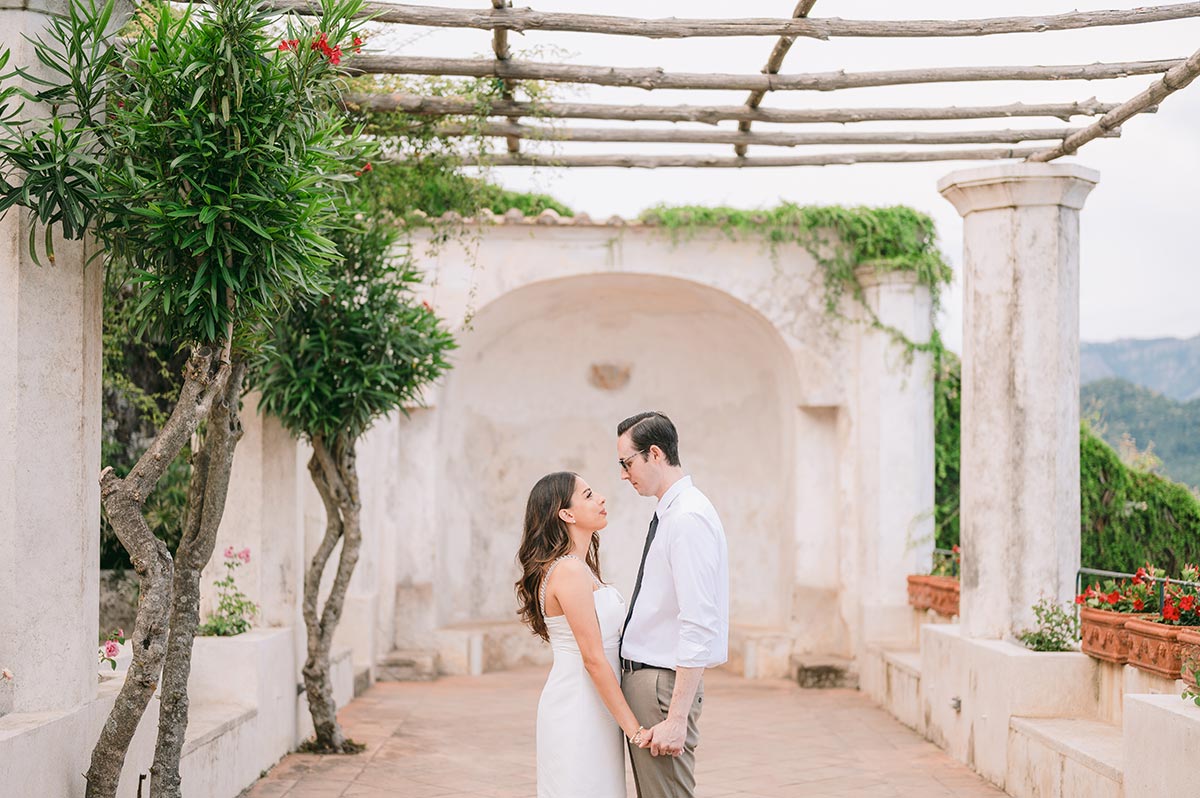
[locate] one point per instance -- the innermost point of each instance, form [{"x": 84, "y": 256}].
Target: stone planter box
[
  {"x": 937, "y": 593},
  {"x": 1154, "y": 647},
  {"x": 1189, "y": 640},
  {"x": 1103, "y": 634}
]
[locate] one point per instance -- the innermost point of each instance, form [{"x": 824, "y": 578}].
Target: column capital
[{"x": 1018, "y": 185}]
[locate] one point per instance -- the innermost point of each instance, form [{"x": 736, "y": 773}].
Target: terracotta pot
[
  {"x": 1103, "y": 635},
  {"x": 1189, "y": 641},
  {"x": 1154, "y": 647},
  {"x": 937, "y": 593}
]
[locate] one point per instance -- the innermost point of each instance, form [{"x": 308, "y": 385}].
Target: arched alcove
[{"x": 543, "y": 375}]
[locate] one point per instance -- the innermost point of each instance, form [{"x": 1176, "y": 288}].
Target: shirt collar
[{"x": 681, "y": 484}]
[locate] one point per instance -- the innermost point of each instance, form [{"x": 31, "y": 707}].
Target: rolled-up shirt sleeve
[{"x": 695, "y": 558}]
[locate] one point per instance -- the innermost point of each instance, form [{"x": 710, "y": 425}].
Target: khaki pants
[{"x": 648, "y": 693}]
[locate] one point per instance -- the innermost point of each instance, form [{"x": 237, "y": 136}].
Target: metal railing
[
  {"x": 951, "y": 555},
  {"x": 1160, "y": 582}
]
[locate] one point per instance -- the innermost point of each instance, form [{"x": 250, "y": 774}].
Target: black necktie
[{"x": 637, "y": 587}]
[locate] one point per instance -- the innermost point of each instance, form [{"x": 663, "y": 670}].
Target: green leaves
[
  {"x": 335, "y": 365},
  {"x": 216, "y": 170}
]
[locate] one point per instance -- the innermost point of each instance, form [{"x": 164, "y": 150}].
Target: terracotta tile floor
[{"x": 462, "y": 736}]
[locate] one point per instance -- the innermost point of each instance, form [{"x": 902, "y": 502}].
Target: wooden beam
[
  {"x": 775, "y": 139},
  {"x": 712, "y": 114},
  {"x": 1175, "y": 79},
  {"x": 773, "y": 65},
  {"x": 654, "y": 78},
  {"x": 525, "y": 19},
  {"x": 500, "y": 48},
  {"x": 732, "y": 162}
]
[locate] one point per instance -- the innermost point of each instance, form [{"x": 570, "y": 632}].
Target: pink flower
[
  {"x": 229, "y": 551},
  {"x": 6, "y": 675},
  {"x": 244, "y": 555},
  {"x": 111, "y": 649}
]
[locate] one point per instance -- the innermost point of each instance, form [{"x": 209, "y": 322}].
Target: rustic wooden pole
[
  {"x": 776, "y": 139},
  {"x": 773, "y": 65},
  {"x": 525, "y": 19},
  {"x": 655, "y": 78},
  {"x": 734, "y": 162},
  {"x": 500, "y": 48},
  {"x": 712, "y": 114},
  {"x": 1175, "y": 79}
]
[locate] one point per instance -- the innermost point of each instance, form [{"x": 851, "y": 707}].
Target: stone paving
[{"x": 462, "y": 736}]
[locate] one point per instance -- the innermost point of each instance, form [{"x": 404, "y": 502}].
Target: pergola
[
  {"x": 1020, "y": 469},
  {"x": 926, "y": 145}
]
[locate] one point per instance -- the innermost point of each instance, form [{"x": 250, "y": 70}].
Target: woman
[{"x": 580, "y": 753}]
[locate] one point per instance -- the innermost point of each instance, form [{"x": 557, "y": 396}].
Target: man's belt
[{"x": 629, "y": 666}]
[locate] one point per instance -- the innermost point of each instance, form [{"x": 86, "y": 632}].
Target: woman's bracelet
[{"x": 636, "y": 739}]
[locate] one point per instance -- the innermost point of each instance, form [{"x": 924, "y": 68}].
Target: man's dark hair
[{"x": 652, "y": 429}]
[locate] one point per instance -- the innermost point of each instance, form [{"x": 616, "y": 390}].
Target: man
[{"x": 678, "y": 619}]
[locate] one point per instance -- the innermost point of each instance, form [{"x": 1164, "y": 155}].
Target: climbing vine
[{"x": 841, "y": 241}]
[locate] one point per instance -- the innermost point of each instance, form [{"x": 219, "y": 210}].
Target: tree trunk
[
  {"x": 123, "y": 500},
  {"x": 209, "y": 486},
  {"x": 335, "y": 474}
]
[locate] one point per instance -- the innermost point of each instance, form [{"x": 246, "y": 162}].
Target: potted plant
[
  {"x": 1104, "y": 609},
  {"x": 1154, "y": 644},
  {"x": 939, "y": 589},
  {"x": 1189, "y": 642}
]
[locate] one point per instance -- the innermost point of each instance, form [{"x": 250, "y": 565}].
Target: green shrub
[
  {"x": 1056, "y": 628},
  {"x": 1129, "y": 517}
]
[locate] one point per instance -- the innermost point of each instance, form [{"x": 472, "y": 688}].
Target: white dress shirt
[{"x": 681, "y": 618}]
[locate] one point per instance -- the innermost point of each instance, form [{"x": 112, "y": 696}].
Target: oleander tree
[
  {"x": 330, "y": 370},
  {"x": 208, "y": 162}
]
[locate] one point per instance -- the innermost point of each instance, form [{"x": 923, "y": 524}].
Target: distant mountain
[
  {"x": 1149, "y": 417},
  {"x": 1170, "y": 366}
]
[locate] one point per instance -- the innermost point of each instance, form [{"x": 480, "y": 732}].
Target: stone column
[
  {"x": 895, "y": 450},
  {"x": 49, "y": 447},
  {"x": 1020, "y": 402}
]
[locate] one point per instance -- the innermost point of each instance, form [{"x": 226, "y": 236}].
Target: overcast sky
[{"x": 1140, "y": 227}]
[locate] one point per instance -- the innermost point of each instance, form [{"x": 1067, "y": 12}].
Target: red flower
[
  {"x": 358, "y": 40},
  {"x": 1170, "y": 611},
  {"x": 1187, "y": 603},
  {"x": 428, "y": 306},
  {"x": 1138, "y": 605},
  {"x": 1080, "y": 598},
  {"x": 367, "y": 167},
  {"x": 289, "y": 44},
  {"x": 1114, "y": 597}
]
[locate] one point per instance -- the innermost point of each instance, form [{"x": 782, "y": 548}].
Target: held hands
[
  {"x": 641, "y": 738},
  {"x": 667, "y": 738}
]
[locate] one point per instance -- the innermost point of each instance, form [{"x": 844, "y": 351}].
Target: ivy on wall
[{"x": 842, "y": 240}]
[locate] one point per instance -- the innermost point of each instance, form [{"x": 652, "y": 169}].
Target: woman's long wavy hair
[{"x": 545, "y": 540}]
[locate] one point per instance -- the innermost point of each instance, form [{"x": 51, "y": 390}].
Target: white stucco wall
[{"x": 730, "y": 338}]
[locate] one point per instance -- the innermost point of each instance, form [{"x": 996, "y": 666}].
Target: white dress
[{"x": 580, "y": 748}]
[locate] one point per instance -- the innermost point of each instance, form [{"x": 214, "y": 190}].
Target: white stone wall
[{"x": 565, "y": 330}]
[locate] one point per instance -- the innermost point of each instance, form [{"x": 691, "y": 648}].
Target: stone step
[
  {"x": 1064, "y": 758},
  {"x": 362, "y": 680},
  {"x": 407, "y": 666},
  {"x": 824, "y": 672}
]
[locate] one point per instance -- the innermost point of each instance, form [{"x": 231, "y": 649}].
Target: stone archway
[
  {"x": 787, "y": 418},
  {"x": 543, "y": 376}
]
